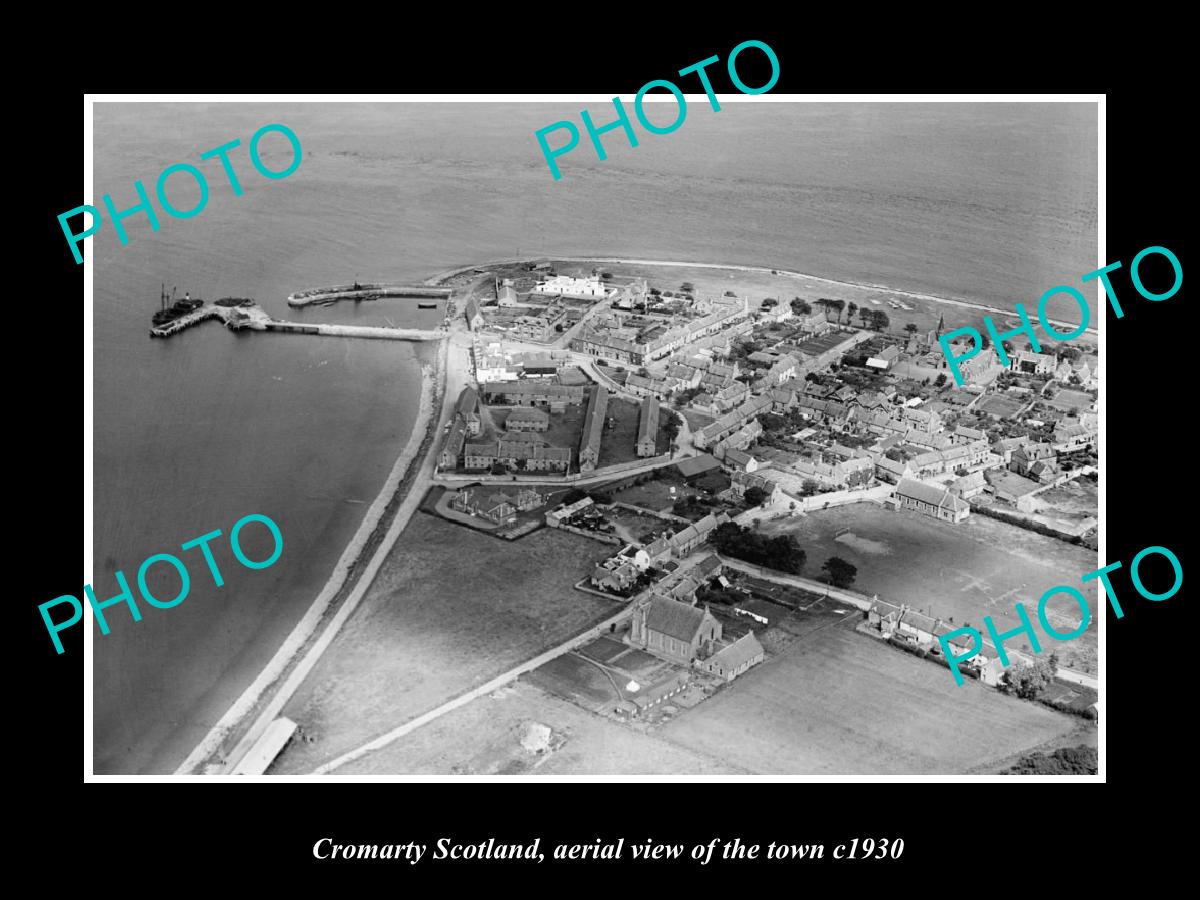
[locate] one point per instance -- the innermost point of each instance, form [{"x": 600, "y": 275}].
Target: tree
[
  {"x": 1070, "y": 354},
  {"x": 841, "y": 573},
  {"x": 1029, "y": 681},
  {"x": 687, "y": 286},
  {"x": 911, "y": 328},
  {"x": 838, "y": 305},
  {"x": 879, "y": 320},
  {"x": 851, "y": 308},
  {"x": 865, "y": 314},
  {"x": 671, "y": 426},
  {"x": 772, "y": 422},
  {"x": 768, "y": 302},
  {"x": 809, "y": 488},
  {"x": 801, "y": 307},
  {"x": 755, "y": 496},
  {"x": 940, "y": 380}
]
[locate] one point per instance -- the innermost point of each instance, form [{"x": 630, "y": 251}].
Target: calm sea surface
[{"x": 988, "y": 202}]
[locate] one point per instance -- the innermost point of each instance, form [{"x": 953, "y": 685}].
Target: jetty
[
  {"x": 255, "y": 318},
  {"x": 358, "y": 291}
]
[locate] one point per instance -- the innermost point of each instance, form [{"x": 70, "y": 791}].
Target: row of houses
[
  {"x": 536, "y": 392},
  {"x": 731, "y": 421},
  {"x": 465, "y": 423},
  {"x": 640, "y": 350},
  {"x": 516, "y": 455},
  {"x": 906, "y": 624}
]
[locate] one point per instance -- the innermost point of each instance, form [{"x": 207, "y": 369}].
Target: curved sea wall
[{"x": 365, "y": 292}]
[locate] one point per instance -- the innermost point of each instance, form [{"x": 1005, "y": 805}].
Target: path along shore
[{"x": 395, "y": 495}]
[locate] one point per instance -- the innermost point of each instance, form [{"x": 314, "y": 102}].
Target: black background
[{"x": 950, "y": 830}]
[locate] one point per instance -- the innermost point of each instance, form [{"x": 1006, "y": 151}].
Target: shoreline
[
  {"x": 759, "y": 270},
  {"x": 347, "y": 573}
]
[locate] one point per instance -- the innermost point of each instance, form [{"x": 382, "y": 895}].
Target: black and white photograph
[{"x": 533, "y": 438}]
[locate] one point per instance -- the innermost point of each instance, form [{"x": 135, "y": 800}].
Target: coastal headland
[{"x": 327, "y": 675}]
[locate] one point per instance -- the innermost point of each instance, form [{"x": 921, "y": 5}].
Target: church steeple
[{"x": 941, "y": 326}]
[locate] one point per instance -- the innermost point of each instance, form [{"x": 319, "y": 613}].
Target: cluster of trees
[
  {"x": 874, "y": 318},
  {"x": 801, "y": 307},
  {"x": 686, "y": 396},
  {"x": 781, "y": 552},
  {"x": 755, "y": 496},
  {"x": 1064, "y": 761},
  {"x": 769, "y": 302},
  {"x": 839, "y": 572},
  {"x": 1030, "y": 681}
]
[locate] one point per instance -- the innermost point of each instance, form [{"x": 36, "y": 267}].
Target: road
[{"x": 483, "y": 690}]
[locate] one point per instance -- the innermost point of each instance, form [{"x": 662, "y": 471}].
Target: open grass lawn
[
  {"x": 618, "y": 444},
  {"x": 484, "y": 737},
  {"x": 979, "y": 567},
  {"x": 656, "y": 494},
  {"x": 696, "y": 420},
  {"x": 840, "y": 703},
  {"x": 1074, "y": 500},
  {"x": 449, "y": 609},
  {"x": 999, "y": 406}
]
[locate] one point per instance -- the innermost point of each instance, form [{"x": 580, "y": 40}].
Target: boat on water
[{"x": 177, "y": 308}]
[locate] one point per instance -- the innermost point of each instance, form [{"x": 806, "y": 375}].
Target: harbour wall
[{"x": 366, "y": 292}]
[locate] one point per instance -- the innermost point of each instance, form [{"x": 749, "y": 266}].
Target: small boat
[{"x": 426, "y": 306}]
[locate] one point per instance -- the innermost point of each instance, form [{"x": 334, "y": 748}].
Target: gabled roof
[
  {"x": 740, "y": 652},
  {"x": 935, "y": 495},
  {"x": 674, "y": 619},
  {"x": 695, "y": 465}
]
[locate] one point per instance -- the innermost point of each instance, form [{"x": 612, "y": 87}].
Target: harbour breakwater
[
  {"x": 253, "y": 317},
  {"x": 366, "y": 292}
]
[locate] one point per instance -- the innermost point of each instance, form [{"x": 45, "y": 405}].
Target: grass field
[
  {"x": 618, "y": 444},
  {"x": 449, "y": 609},
  {"x": 839, "y": 703},
  {"x": 484, "y": 737},
  {"x": 966, "y": 571}
]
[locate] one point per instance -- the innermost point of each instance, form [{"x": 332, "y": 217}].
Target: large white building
[{"x": 567, "y": 286}]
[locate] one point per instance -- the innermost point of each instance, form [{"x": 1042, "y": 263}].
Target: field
[
  {"x": 485, "y": 738},
  {"x": 957, "y": 572},
  {"x": 1072, "y": 501},
  {"x": 618, "y": 444},
  {"x": 1004, "y": 407},
  {"x": 656, "y": 493},
  {"x": 449, "y": 609},
  {"x": 840, "y": 703}
]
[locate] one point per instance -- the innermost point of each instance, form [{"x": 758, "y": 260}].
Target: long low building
[
  {"x": 534, "y": 392},
  {"x": 593, "y": 429},
  {"x": 527, "y": 456},
  {"x": 932, "y": 500},
  {"x": 647, "y": 427}
]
